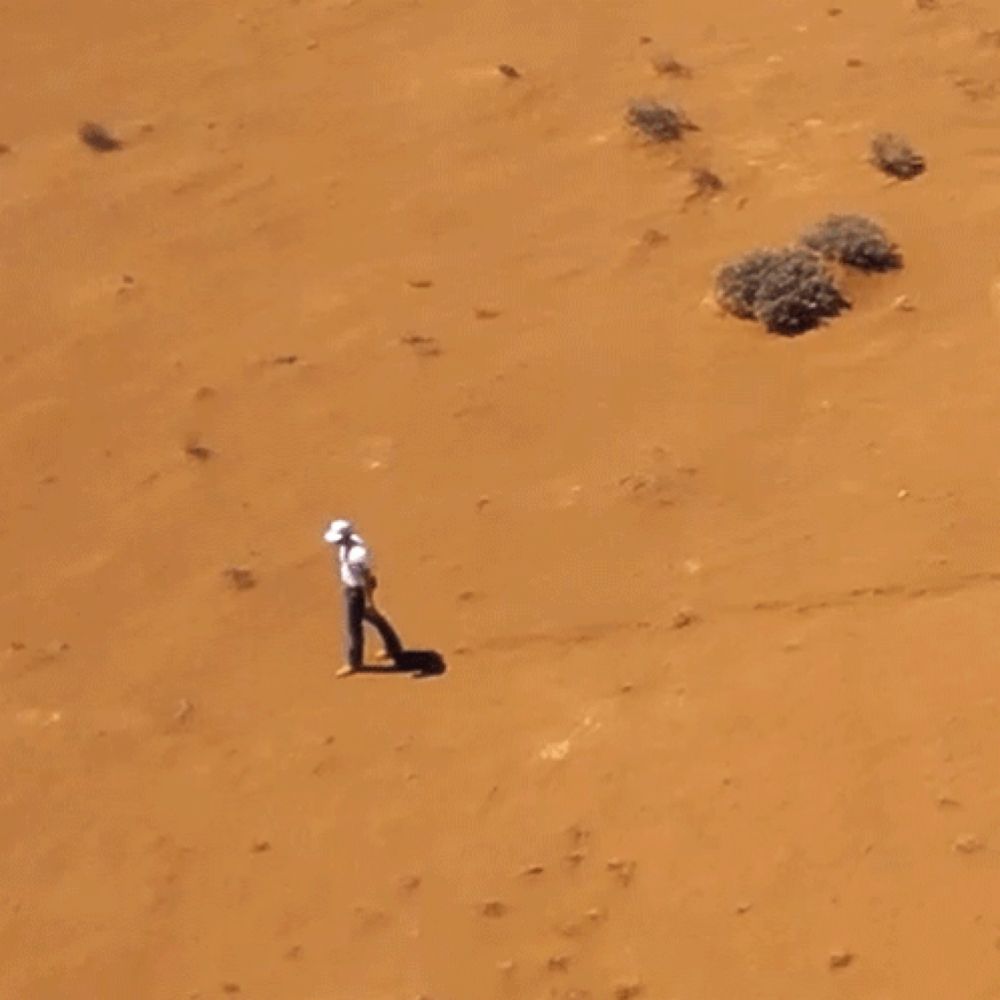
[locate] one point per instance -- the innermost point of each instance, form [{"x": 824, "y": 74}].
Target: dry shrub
[
  {"x": 788, "y": 290},
  {"x": 855, "y": 241},
  {"x": 659, "y": 122},
  {"x": 894, "y": 156}
]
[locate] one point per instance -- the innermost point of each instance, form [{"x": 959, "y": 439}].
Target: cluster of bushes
[{"x": 791, "y": 290}]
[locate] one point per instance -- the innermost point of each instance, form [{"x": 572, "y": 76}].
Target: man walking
[{"x": 359, "y": 584}]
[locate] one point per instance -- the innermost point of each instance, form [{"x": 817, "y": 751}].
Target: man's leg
[
  {"x": 390, "y": 640},
  {"x": 354, "y": 638}
]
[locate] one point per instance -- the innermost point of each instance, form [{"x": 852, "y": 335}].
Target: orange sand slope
[{"x": 718, "y": 607}]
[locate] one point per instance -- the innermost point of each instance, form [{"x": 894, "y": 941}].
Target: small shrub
[
  {"x": 855, "y": 241},
  {"x": 797, "y": 293},
  {"x": 98, "y": 138},
  {"x": 789, "y": 291},
  {"x": 894, "y": 156},
  {"x": 659, "y": 122},
  {"x": 666, "y": 65},
  {"x": 737, "y": 283}
]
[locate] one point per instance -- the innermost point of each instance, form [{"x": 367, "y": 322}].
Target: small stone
[
  {"x": 624, "y": 870},
  {"x": 947, "y": 802},
  {"x": 666, "y": 65},
  {"x": 194, "y": 449},
  {"x": 903, "y": 303},
  {"x": 505, "y": 69},
  {"x": 312, "y": 45},
  {"x": 742, "y": 908},
  {"x": 98, "y": 138},
  {"x": 493, "y": 908},
  {"x": 294, "y": 952},
  {"x": 231, "y": 988},
  {"x": 506, "y": 966},
  {"x": 421, "y": 283},
  {"x": 483, "y": 502},
  {"x": 184, "y": 711},
  {"x": 260, "y": 846},
  {"x": 205, "y": 392},
  {"x": 533, "y": 870},
  {"x": 240, "y": 577},
  {"x": 853, "y": 63},
  {"x": 968, "y": 843},
  {"x": 840, "y": 959},
  {"x": 410, "y": 883},
  {"x": 653, "y": 238},
  {"x": 487, "y": 313},
  {"x": 683, "y": 618},
  {"x": 627, "y": 990},
  {"x": 594, "y": 915},
  {"x": 558, "y": 963},
  {"x": 5, "y": 149},
  {"x": 902, "y": 494}
]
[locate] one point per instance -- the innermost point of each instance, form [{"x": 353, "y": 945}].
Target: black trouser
[{"x": 357, "y": 611}]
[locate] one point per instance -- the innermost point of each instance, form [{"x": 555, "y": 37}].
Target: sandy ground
[{"x": 718, "y": 607}]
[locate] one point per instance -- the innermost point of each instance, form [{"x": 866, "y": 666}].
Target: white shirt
[{"x": 355, "y": 562}]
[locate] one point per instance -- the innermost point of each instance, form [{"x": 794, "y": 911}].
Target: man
[{"x": 359, "y": 584}]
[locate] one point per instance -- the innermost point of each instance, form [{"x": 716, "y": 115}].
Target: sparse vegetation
[
  {"x": 705, "y": 183},
  {"x": 855, "y": 241},
  {"x": 666, "y": 65},
  {"x": 659, "y": 122},
  {"x": 98, "y": 138},
  {"x": 894, "y": 156},
  {"x": 789, "y": 291}
]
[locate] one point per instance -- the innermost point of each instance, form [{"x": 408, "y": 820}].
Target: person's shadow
[{"x": 419, "y": 663}]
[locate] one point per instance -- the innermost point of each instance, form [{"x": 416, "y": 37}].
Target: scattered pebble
[
  {"x": 742, "y": 908},
  {"x": 493, "y": 908},
  {"x": 558, "y": 963},
  {"x": 903, "y": 303},
  {"x": 506, "y": 965},
  {"x": 231, "y": 988},
  {"x": 947, "y": 802},
  {"x": 260, "y": 846},
  {"x": 487, "y": 313},
  {"x": 5, "y": 149},
  {"x": 840, "y": 959},
  {"x": 410, "y": 883},
  {"x": 902, "y": 494},
  {"x": 853, "y": 63},
  {"x": 421, "y": 283},
  {"x": 509, "y": 71},
  {"x": 533, "y": 870}
]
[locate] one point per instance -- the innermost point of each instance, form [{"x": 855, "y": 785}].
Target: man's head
[{"x": 339, "y": 532}]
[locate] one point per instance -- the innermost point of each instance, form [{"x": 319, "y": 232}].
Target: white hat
[{"x": 339, "y": 531}]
